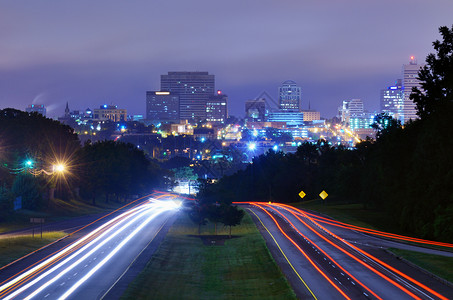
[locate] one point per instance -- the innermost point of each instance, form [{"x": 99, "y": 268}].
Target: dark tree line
[
  {"x": 406, "y": 173},
  {"x": 31, "y": 145}
]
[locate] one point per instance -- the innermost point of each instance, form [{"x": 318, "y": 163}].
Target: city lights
[{"x": 252, "y": 146}]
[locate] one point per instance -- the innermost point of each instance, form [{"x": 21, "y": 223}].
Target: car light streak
[
  {"x": 111, "y": 254},
  {"x": 304, "y": 254},
  {"x": 80, "y": 260},
  {"x": 327, "y": 255},
  {"x": 363, "y": 229},
  {"x": 377, "y": 232},
  {"x": 281, "y": 250},
  {"x": 419, "y": 284},
  {"x": 355, "y": 258},
  {"x": 116, "y": 210},
  {"x": 64, "y": 251},
  {"x": 140, "y": 211}
]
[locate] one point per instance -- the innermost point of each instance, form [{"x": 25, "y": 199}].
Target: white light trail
[
  {"x": 15, "y": 280},
  {"x": 144, "y": 211},
  {"x": 107, "y": 258}
]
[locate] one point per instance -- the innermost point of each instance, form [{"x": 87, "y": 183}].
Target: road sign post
[{"x": 34, "y": 221}]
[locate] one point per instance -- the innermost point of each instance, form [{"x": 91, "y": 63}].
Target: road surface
[
  {"x": 89, "y": 267},
  {"x": 329, "y": 262}
]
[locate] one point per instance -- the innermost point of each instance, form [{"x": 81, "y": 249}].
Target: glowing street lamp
[
  {"x": 29, "y": 163},
  {"x": 60, "y": 168}
]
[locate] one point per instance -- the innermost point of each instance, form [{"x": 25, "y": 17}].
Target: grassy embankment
[
  {"x": 354, "y": 214},
  {"x": 12, "y": 248},
  {"x": 439, "y": 265},
  {"x": 184, "y": 267}
]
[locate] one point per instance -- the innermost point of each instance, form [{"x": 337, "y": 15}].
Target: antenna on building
[
  {"x": 309, "y": 108},
  {"x": 413, "y": 60}
]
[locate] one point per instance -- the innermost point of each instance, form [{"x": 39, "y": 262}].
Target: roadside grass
[
  {"x": 57, "y": 210},
  {"x": 12, "y": 248},
  {"x": 184, "y": 268},
  {"x": 441, "y": 266}
]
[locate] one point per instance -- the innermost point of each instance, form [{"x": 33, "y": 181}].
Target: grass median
[{"x": 186, "y": 268}]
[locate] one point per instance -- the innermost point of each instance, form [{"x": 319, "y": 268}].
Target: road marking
[{"x": 298, "y": 275}]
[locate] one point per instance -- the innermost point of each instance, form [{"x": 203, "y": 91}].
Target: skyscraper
[
  {"x": 217, "y": 108},
  {"x": 193, "y": 88},
  {"x": 162, "y": 106},
  {"x": 289, "y": 96},
  {"x": 392, "y": 99},
  {"x": 410, "y": 74}
]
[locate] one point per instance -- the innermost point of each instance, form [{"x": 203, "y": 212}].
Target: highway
[
  {"x": 90, "y": 266},
  {"x": 327, "y": 260}
]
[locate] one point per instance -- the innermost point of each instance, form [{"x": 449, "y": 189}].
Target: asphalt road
[
  {"x": 90, "y": 266},
  {"x": 327, "y": 262}
]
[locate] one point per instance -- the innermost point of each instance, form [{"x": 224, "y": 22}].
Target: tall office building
[
  {"x": 162, "y": 106},
  {"x": 217, "y": 108},
  {"x": 289, "y": 96},
  {"x": 392, "y": 99},
  {"x": 410, "y": 74},
  {"x": 193, "y": 88}
]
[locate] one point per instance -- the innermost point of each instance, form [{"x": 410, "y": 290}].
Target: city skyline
[{"x": 334, "y": 52}]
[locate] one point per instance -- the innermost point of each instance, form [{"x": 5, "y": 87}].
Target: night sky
[{"x": 93, "y": 52}]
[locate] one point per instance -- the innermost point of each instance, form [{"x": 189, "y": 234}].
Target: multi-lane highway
[
  {"x": 90, "y": 266},
  {"x": 329, "y": 260}
]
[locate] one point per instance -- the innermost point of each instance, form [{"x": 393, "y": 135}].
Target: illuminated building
[
  {"x": 350, "y": 108},
  {"x": 255, "y": 110},
  {"x": 289, "y": 96},
  {"x": 410, "y": 73},
  {"x": 217, "y": 108},
  {"x": 392, "y": 99},
  {"x": 363, "y": 121},
  {"x": 39, "y": 108},
  {"x": 109, "y": 112},
  {"x": 193, "y": 88},
  {"x": 162, "y": 106},
  {"x": 311, "y": 115},
  {"x": 290, "y": 118}
]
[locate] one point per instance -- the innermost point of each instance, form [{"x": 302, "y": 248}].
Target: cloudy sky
[{"x": 91, "y": 52}]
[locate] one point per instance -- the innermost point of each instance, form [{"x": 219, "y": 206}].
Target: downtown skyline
[{"x": 89, "y": 54}]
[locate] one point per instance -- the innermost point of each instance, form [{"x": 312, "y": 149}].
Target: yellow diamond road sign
[
  {"x": 302, "y": 194},
  {"x": 323, "y": 195}
]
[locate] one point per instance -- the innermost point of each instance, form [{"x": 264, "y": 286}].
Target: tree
[
  {"x": 436, "y": 77},
  {"x": 215, "y": 214},
  {"x": 198, "y": 214},
  {"x": 27, "y": 186},
  {"x": 232, "y": 216}
]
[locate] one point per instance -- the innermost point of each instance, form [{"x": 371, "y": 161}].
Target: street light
[{"x": 59, "y": 168}]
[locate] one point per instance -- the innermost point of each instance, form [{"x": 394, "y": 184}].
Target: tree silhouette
[{"x": 436, "y": 77}]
